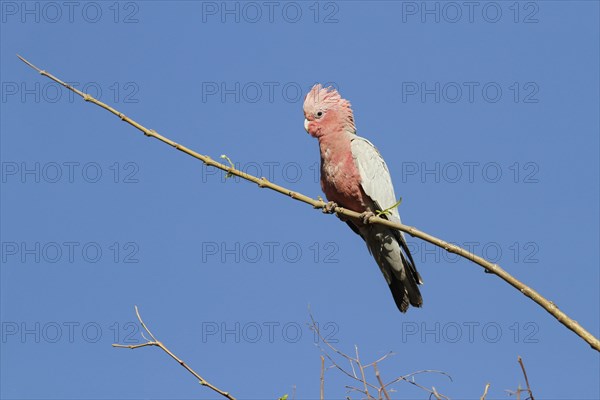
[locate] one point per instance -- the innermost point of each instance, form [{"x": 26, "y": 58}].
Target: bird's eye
[{"x": 319, "y": 114}]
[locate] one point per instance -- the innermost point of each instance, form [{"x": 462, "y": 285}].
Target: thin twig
[
  {"x": 336, "y": 365},
  {"x": 341, "y": 354},
  {"x": 386, "y": 355},
  {"x": 350, "y": 360},
  {"x": 322, "y": 378},
  {"x": 487, "y": 386},
  {"x": 157, "y": 343},
  {"x": 353, "y": 388},
  {"x": 412, "y": 381},
  {"x": 362, "y": 372},
  {"x": 314, "y": 326},
  {"x": 362, "y": 379},
  {"x": 412, "y": 374},
  {"x": 352, "y": 375},
  {"x": 385, "y": 393},
  {"x": 526, "y": 379},
  {"x": 490, "y": 267}
]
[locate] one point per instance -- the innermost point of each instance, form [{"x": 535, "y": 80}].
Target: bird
[{"x": 355, "y": 176}]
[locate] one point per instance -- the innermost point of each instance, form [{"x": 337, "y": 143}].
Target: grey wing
[
  {"x": 375, "y": 176},
  {"x": 377, "y": 184}
]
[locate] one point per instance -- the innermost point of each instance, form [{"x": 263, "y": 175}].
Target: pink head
[{"x": 326, "y": 113}]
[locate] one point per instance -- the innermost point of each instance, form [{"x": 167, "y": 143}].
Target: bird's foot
[
  {"x": 366, "y": 216},
  {"x": 330, "y": 207}
]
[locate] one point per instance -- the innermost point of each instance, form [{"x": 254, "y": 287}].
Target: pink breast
[{"x": 340, "y": 179}]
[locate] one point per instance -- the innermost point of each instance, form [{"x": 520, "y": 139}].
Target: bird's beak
[{"x": 306, "y": 124}]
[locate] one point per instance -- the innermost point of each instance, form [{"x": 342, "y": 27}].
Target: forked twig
[
  {"x": 520, "y": 390},
  {"x": 412, "y": 374},
  {"x": 381, "y": 388},
  {"x": 378, "y": 376},
  {"x": 362, "y": 372},
  {"x": 526, "y": 379},
  {"x": 490, "y": 267},
  {"x": 436, "y": 394},
  {"x": 157, "y": 343},
  {"x": 412, "y": 381}
]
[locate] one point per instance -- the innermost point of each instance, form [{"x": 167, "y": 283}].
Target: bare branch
[
  {"x": 362, "y": 372},
  {"x": 318, "y": 332},
  {"x": 490, "y": 267},
  {"x": 139, "y": 317},
  {"x": 386, "y": 355},
  {"x": 322, "y": 378},
  {"x": 412, "y": 374},
  {"x": 526, "y": 379},
  {"x": 136, "y": 346},
  {"x": 387, "y": 396},
  {"x": 157, "y": 343},
  {"x": 412, "y": 381},
  {"x": 351, "y": 360},
  {"x": 382, "y": 388},
  {"x": 487, "y": 386},
  {"x": 517, "y": 392},
  {"x": 353, "y": 388}
]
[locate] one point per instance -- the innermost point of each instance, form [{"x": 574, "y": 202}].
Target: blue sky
[{"x": 487, "y": 116}]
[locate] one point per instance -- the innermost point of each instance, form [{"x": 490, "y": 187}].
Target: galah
[{"x": 355, "y": 176}]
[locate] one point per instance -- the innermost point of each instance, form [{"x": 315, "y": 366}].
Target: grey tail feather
[
  {"x": 413, "y": 279},
  {"x": 405, "y": 293}
]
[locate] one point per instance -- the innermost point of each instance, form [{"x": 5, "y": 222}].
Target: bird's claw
[
  {"x": 366, "y": 216},
  {"x": 330, "y": 207}
]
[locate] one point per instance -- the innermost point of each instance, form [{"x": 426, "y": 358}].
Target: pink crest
[{"x": 320, "y": 98}]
